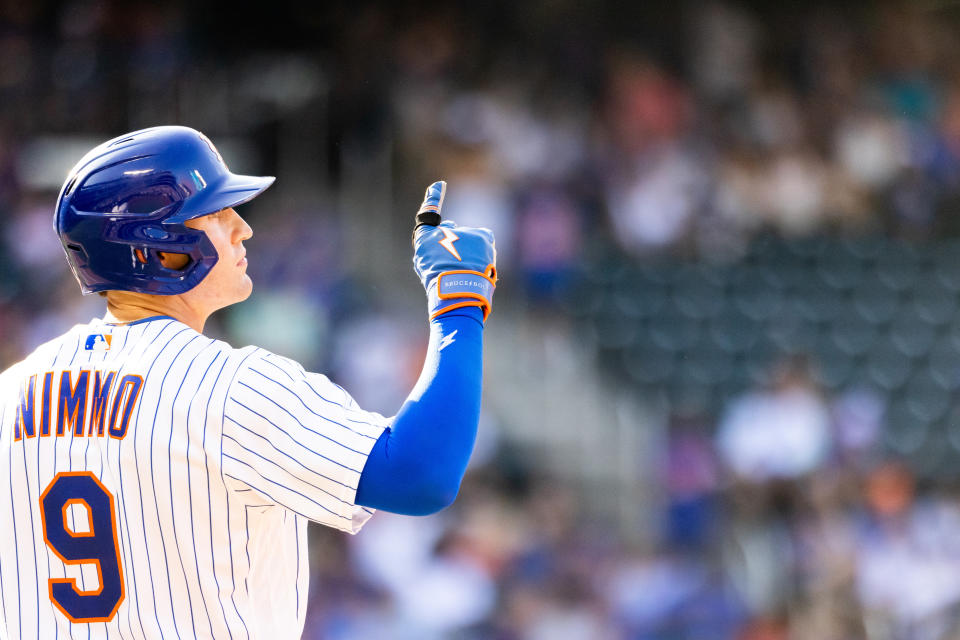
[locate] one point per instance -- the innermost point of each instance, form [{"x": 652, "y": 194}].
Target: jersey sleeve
[{"x": 298, "y": 440}]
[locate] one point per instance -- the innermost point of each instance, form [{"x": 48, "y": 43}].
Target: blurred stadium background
[{"x": 723, "y": 375}]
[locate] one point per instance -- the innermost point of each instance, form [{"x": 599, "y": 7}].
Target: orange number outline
[{"x": 116, "y": 547}]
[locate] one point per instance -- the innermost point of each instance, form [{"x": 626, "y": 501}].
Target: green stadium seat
[
  {"x": 852, "y": 335},
  {"x": 898, "y": 266},
  {"x": 734, "y": 332},
  {"x": 649, "y": 366},
  {"x": 946, "y": 268},
  {"x": 612, "y": 330},
  {"x": 818, "y": 303},
  {"x": 790, "y": 334},
  {"x": 675, "y": 333},
  {"x": 806, "y": 249},
  {"x": 704, "y": 367},
  {"x": 753, "y": 295},
  {"x": 690, "y": 397},
  {"x": 862, "y": 248},
  {"x": 833, "y": 369},
  {"x": 943, "y": 364},
  {"x": 838, "y": 269},
  {"x": 637, "y": 301},
  {"x": 875, "y": 301},
  {"x": 904, "y": 433},
  {"x": 887, "y": 367},
  {"x": 926, "y": 398},
  {"x": 912, "y": 336},
  {"x": 935, "y": 456},
  {"x": 932, "y": 302}
]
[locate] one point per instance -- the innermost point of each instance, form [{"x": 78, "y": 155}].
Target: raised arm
[{"x": 417, "y": 465}]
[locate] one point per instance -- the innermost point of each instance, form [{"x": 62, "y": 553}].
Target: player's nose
[
  {"x": 246, "y": 230},
  {"x": 241, "y": 230}
]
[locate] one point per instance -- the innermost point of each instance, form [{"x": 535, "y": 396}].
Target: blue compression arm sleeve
[{"x": 416, "y": 466}]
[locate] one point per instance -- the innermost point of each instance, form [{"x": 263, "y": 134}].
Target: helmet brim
[{"x": 231, "y": 190}]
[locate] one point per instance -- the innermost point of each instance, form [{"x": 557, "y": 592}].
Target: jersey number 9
[{"x": 97, "y": 545}]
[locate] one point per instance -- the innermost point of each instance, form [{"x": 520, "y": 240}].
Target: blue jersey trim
[{"x": 140, "y": 321}]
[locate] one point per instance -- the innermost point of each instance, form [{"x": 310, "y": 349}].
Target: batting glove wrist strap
[{"x": 461, "y": 288}]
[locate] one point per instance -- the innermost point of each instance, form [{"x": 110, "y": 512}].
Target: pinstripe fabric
[{"x": 228, "y": 454}]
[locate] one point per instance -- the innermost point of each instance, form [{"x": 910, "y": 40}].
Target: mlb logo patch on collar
[{"x": 98, "y": 342}]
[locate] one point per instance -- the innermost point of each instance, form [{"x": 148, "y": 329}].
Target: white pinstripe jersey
[{"x": 160, "y": 483}]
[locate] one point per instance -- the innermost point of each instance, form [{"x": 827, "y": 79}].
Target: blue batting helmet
[{"x": 129, "y": 197}]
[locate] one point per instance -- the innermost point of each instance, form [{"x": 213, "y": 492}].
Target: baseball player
[{"x": 159, "y": 482}]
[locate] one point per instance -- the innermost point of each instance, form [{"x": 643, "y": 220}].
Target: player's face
[{"x": 228, "y": 282}]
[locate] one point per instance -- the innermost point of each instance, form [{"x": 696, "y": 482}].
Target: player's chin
[{"x": 246, "y": 288}]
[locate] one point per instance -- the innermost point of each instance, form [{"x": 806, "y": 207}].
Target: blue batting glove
[{"x": 457, "y": 265}]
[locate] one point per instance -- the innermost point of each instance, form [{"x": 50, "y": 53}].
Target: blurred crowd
[
  {"x": 580, "y": 133},
  {"x": 785, "y": 521},
  {"x": 822, "y": 119}
]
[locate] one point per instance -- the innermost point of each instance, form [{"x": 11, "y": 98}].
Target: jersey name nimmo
[{"x": 89, "y": 402}]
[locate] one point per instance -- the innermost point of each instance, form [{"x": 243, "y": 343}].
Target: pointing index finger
[{"x": 429, "y": 212}]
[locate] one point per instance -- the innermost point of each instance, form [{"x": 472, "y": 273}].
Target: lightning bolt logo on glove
[{"x": 449, "y": 237}]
